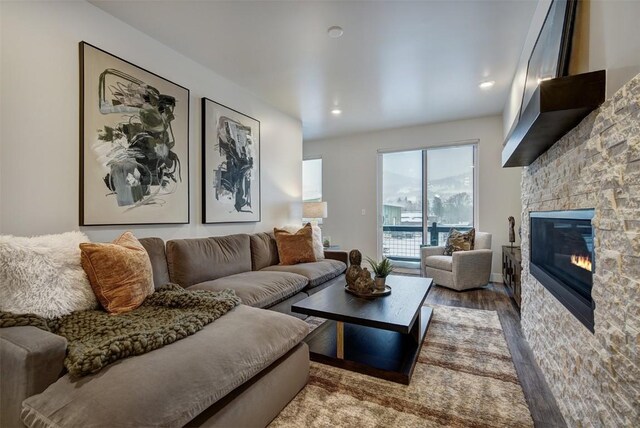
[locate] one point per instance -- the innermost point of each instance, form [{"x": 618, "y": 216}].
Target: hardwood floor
[{"x": 543, "y": 407}]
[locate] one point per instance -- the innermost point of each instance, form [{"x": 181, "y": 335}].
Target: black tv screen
[{"x": 550, "y": 55}]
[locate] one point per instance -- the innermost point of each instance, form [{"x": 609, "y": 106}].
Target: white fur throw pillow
[
  {"x": 318, "y": 249},
  {"x": 43, "y": 275}
]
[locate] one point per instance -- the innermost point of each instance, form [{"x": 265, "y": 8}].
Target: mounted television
[{"x": 550, "y": 55}]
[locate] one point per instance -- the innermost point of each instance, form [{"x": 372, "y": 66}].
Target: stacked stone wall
[{"x": 595, "y": 377}]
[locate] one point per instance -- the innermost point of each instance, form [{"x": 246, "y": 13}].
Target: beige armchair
[{"x": 462, "y": 270}]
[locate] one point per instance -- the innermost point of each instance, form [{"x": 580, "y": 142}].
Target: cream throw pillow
[
  {"x": 318, "y": 248},
  {"x": 43, "y": 275}
]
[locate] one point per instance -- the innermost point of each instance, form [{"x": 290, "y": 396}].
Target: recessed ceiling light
[
  {"x": 488, "y": 84},
  {"x": 336, "y": 111},
  {"x": 335, "y": 32}
]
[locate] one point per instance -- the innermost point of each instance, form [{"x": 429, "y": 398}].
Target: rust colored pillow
[
  {"x": 120, "y": 273},
  {"x": 294, "y": 248}
]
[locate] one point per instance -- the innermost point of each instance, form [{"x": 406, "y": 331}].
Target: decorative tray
[{"x": 376, "y": 293}]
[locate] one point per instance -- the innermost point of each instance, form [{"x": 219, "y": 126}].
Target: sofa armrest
[
  {"x": 342, "y": 256},
  {"x": 31, "y": 359},
  {"x": 427, "y": 252},
  {"x": 472, "y": 268}
]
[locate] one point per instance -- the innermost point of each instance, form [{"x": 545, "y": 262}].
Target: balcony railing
[{"x": 403, "y": 242}]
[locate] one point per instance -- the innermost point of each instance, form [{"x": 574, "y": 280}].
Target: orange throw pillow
[
  {"x": 294, "y": 248},
  {"x": 120, "y": 273}
]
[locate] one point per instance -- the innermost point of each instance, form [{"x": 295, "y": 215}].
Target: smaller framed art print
[
  {"x": 230, "y": 165},
  {"x": 134, "y": 144}
]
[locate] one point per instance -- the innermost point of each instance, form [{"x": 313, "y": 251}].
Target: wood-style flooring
[{"x": 495, "y": 297}]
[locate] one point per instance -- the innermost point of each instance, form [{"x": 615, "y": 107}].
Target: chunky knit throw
[{"x": 97, "y": 338}]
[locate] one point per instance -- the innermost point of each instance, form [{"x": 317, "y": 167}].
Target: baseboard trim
[{"x": 496, "y": 277}]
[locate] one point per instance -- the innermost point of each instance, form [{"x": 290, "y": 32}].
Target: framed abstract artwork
[
  {"x": 134, "y": 144},
  {"x": 230, "y": 165}
]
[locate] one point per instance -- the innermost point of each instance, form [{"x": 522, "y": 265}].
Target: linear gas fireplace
[{"x": 562, "y": 258}]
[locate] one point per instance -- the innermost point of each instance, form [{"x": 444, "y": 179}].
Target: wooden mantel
[{"x": 556, "y": 107}]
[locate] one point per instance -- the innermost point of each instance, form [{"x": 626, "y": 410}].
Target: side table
[{"x": 512, "y": 270}]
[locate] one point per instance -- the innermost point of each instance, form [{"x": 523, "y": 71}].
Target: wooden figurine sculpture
[
  {"x": 354, "y": 270},
  {"x": 364, "y": 283},
  {"x": 512, "y": 232}
]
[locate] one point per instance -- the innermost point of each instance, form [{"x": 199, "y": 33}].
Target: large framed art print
[
  {"x": 230, "y": 165},
  {"x": 134, "y": 144}
]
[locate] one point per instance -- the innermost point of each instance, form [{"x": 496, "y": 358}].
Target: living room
[{"x": 397, "y": 122}]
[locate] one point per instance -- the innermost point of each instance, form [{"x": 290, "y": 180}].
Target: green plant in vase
[{"x": 381, "y": 270}]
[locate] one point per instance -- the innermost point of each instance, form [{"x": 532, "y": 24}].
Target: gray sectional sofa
[{"x": 241, "y": 370}]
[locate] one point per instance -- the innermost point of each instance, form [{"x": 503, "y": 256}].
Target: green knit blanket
[{"x": 97, "y": 338}]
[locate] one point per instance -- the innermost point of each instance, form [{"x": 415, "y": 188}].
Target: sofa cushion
[
  {"x": 316, "y": 272},
  {"x": 170, "y": 386},
  {"x": 158, "y": 257},
  {"x": 192, "y": 261},
  {"x": 264, "y": 251},
  {"x": 258, "y": 289},
  {"x": 439, "y": 262}
]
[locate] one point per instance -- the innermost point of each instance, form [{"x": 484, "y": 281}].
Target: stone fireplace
[
  {"x": 561, "y": 258},
  {"x": 594, "y": 372}
]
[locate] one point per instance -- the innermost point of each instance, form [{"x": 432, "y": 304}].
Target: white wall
[
  {"x": 39, "y": 106},
  {"x": 350, "y": 176},
  {"x": 606, "y": 36}
]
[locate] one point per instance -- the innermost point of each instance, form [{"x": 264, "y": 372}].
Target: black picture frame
[
  {"x": 165, "y": 141},
  {"x": 217, "y": 210}
]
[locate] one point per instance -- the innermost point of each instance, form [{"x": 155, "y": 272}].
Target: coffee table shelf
[{"x": 380, "y": 337}]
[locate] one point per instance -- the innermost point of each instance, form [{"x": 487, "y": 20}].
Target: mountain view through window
[{"x": 446, "y": 188}]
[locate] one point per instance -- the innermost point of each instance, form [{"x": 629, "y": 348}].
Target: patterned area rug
[{"x": 464, "y": 377}]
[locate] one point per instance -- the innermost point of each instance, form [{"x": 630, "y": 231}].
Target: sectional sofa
[{"x": 241, "y": 370}]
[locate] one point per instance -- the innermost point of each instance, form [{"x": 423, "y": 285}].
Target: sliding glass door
[
  {"x": 424, "y": 193},
  {"x": 402, "y": 204}
]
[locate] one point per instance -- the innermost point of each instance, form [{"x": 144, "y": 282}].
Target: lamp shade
[{"x": 314, "y": 210}]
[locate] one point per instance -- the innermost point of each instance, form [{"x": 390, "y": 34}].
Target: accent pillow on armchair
[{"x": 460, "y": 241}]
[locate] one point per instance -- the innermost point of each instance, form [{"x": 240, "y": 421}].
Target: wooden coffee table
[{"x": 380, "y": 337}]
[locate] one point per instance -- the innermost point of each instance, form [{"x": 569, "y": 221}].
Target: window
[
  {"x": 424, "y": 194},
  {"x": 312, "y": 180}
]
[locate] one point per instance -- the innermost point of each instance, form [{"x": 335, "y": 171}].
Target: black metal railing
[{"x": 403, "y": 242}]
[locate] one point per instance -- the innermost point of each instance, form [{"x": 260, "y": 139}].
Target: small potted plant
[{"x": 381, "y": 270}]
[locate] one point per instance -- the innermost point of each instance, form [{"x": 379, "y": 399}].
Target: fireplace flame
[{"x": 581, "y": 261}]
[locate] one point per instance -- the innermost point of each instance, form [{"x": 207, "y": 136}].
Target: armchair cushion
[
  {"x": 440, "y": 262},
  {"x": 431, "y": 251}
]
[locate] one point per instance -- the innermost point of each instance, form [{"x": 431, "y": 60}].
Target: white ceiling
[{"x": 398, "y": 63}]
